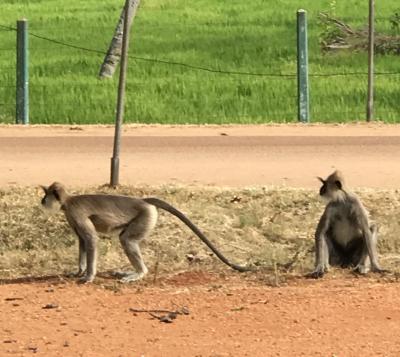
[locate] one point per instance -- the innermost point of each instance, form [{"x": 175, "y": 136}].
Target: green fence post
[
  {"x": 371, "y": 41},
  {"x": 302, "y": 68},
  {"x": 22, "y": 94}
]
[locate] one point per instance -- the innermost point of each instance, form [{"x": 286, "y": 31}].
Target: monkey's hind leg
[
  {"x": 364, "y": 265},
  {"x": 139, "y": 228}
]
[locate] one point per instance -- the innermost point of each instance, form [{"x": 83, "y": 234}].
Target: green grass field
[{"x": 257, "y": 36}]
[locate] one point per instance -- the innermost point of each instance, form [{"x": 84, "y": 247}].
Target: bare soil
[{"x": 229, "y": 314}]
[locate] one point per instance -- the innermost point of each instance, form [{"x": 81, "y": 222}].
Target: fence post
[
  {"x": 302, "y": 67},
  {"x": 114, "y": 180},
  {"x": 371, "y": 40},
  {"x": 22, "y": 93}
]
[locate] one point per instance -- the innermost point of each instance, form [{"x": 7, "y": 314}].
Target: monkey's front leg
[
  {"x": 87, "y": 252},
  {"x": 322, "y": 257},
  {"x": 82, "y": 259},
  {"x": 91, "y": 261}
]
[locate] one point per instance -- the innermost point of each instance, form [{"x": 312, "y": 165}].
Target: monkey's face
[
  {"x": 331, "y": 190},
  {"x": 322, "y": 190},
  {"x": 51, "y": 199}
]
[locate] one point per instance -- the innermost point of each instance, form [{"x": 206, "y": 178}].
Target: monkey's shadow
[{"x": 54, "y": 278}]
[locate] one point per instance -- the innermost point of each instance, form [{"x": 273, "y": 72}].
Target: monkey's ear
[
  {"x": 338, "y": 184},
  {"x": 321, "y": 179},
  {"x": 56, "y": 195},
  {"x": 44, "y": 188}
]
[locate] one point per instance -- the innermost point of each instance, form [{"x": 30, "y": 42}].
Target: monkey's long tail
[{"x": 167, "y": 207}]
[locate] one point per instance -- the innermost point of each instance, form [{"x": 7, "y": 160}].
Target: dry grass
[{"x": 264, "y": 226}]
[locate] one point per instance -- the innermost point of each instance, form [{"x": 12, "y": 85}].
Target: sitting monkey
[{"x": 344, "y": 234}]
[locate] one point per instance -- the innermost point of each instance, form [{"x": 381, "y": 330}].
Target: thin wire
[{"x": 206, "y": 69}]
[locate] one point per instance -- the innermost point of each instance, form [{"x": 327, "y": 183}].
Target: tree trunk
[{"x": 114, "y": 51}]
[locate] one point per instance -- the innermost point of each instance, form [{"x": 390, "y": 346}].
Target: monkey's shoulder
[{"x": 349, "y": 210}]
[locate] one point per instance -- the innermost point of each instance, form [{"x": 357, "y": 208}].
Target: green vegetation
[
  {"x": 257, "y": 36},
  {"x": 249, "y": 225}
]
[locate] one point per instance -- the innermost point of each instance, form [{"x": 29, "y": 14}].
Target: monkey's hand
[
  {"x": 361, "y": 269},
  {"x": 316, "y": 274}
]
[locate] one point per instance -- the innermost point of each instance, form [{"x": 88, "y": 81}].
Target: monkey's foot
[
  {"x": 380, "y": 270},
  {"x": 86, "y": 279},
  {"x": 120, "y": 274},
  {"x": 131, "y": 276},
  {"x": 78, "y": 274},
  {"x": 316, "y": 274}
]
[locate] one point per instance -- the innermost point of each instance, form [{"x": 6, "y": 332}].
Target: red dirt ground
[
  {"x": 228, "y": 316},
  {"x": 232, "y": 314}
]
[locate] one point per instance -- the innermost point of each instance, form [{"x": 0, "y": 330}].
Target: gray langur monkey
[
  {"x": 344, "y": 234},
  {"x": 132, "y": 218}
]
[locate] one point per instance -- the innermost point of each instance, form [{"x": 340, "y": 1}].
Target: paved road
[{"x": 226, "y": 156}]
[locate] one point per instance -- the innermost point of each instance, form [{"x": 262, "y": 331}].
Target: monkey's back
[{"x": 106, "y": 212}]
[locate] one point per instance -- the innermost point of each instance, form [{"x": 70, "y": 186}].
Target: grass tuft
[{"x": 269, "y": 227}]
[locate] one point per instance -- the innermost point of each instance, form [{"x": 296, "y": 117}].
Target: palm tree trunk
[{"x": 114, "y": 51}]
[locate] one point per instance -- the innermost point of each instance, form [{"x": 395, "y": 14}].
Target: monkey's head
[
  {"x": 333, "y": 188},
  {"x": 54, "y": 196}
]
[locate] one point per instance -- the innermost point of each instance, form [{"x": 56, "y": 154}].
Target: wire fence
[{"x": 64, "y": 88}]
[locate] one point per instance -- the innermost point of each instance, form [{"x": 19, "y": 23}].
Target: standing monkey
[
  {"x": 132, "y": 218},
  {"x": 344, "y": 234}
]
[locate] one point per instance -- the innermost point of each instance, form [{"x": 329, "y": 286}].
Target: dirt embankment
[{"x": 289, "y": 155}]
